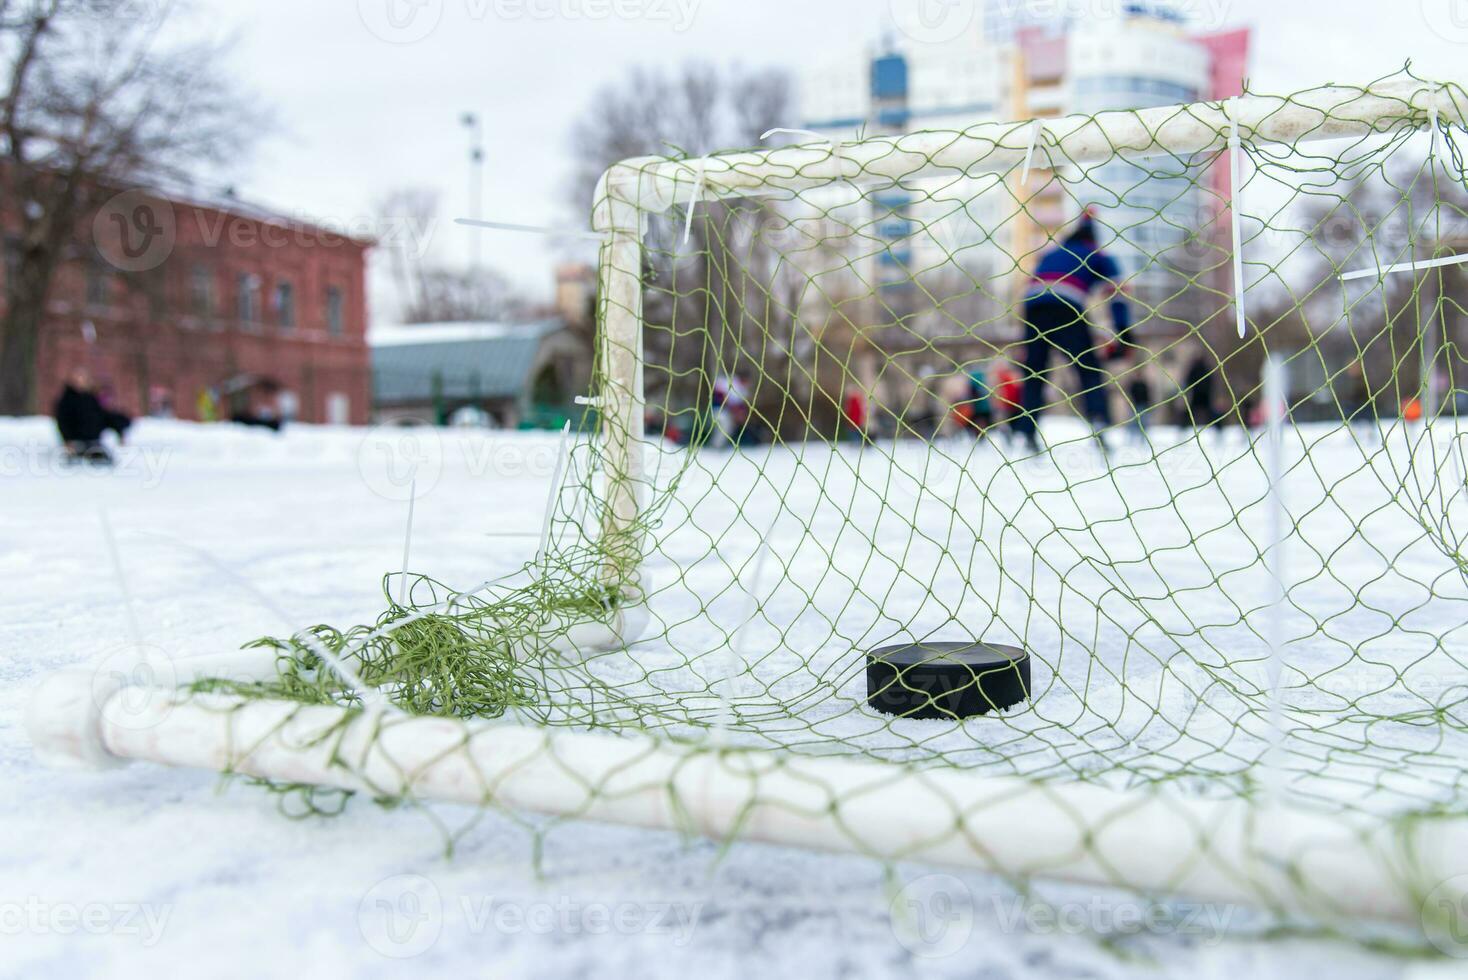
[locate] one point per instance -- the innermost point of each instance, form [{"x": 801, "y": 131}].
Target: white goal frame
[
  {"x": 888, "y": 810},
  {"x": 634, "y": 189}
]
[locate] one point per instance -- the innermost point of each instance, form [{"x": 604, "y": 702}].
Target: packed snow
[{"x": 203, "y": 537}]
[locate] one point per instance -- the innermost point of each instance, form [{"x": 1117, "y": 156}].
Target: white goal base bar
[{"x": 1235, "y": 851}]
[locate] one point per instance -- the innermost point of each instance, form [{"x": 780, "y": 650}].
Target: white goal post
[
  {"x": 1265, "y": 855},
  {"x": 653, "y": 185},
  {"x": 1257, "y": 850}
]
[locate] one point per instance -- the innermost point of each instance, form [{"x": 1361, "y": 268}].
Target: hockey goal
[{"x": 1221, "y": 513}]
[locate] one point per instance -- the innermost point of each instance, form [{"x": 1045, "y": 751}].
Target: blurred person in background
[
  {"x": 855, "y": 413},
  {"x": 731, "y": 408},
  {"x": 1365, "y": 426},
  {"x": 1009, "y": 390},
  {"x": 207, "y": 405},
  {"x": 1200, "y": 408},
  {"x": 81, "y": 419},
  {"x": 1056, "y": 320},
  {"x": 1139, "y": 393},
  {"x": 981, "y": 402}
]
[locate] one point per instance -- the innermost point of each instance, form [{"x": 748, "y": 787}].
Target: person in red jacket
[
  {"x": 854, "y": 409},
  {"x": 1008, "y": 390}
]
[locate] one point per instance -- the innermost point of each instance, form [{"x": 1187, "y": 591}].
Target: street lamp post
[{"x": 472, "y": 122}]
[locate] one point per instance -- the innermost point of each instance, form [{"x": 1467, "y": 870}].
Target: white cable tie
[
  {"x": 1405, "y": 267},
  {"x": 1236, "y": 191},
  {"x": 1035, "y": 130},
  {"x": 589, "y": 401},
  {"x": 554, "y": 498},
  {"x": 407, "y": 544},
  {"x": 592, "y": 236},
  {"x": 693, "y": 200}
]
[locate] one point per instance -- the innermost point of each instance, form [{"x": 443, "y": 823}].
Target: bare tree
[
  {"x": 455, "y": 295},
  {"x": 722, "y": 283},
  {"x": 693, "y": 111},
  {"x": 429, "y": 292},
  {"x": 414, "y": 208},
  {"x": 94, "y": 102},
  {"x": 1364, "y": 341}
]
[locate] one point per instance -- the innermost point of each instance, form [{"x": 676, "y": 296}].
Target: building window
[
  {"x": 285, "y": 305},
  {"x": 247, "y": 298},
  {"x": 201, "y": 291},
  {"x": 334, "y": 319}
]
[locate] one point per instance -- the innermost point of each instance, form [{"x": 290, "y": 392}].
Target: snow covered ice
[{"x": 225, "y": 535}]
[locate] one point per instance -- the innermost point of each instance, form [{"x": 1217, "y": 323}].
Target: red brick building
[{"x": 196, "y": 309}]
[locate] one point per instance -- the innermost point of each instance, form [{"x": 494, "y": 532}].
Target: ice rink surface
[{"x": 224, "y": 535}]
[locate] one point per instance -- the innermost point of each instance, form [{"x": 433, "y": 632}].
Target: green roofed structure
[{"x": 509, "y": 375}]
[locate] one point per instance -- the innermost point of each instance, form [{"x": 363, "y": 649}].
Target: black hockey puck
[{"x": 946, "y": 680}]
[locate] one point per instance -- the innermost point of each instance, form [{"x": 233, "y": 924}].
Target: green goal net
[{"x": 989, "y": 386}]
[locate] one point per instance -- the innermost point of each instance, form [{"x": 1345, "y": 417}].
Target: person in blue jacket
[{"x": 1067, "y": 281}]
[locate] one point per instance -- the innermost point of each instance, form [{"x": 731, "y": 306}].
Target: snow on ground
[{"x": 224, "y": 535}]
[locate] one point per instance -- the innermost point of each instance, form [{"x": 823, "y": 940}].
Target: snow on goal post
[{"x": 933, "y": 505}]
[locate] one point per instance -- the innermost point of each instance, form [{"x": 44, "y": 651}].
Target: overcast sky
[{"x": 366, "y": 103}]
